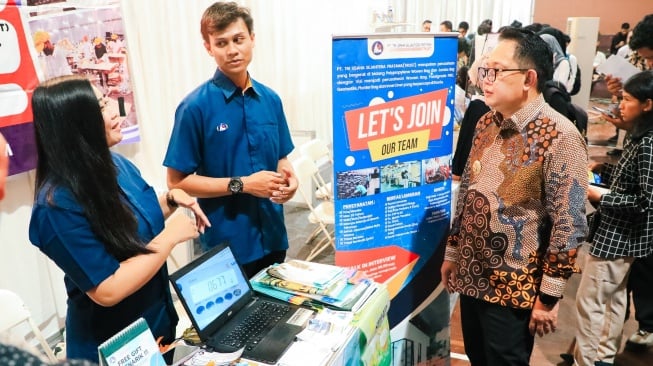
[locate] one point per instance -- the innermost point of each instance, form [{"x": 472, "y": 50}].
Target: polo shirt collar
[
  {"x": 229, "y": 89},
  {"x": 522, "y": 117}
]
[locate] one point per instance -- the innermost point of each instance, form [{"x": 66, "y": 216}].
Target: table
[
  {"x": 102, "y": 68},
  {"x": 116, "y": 57},
  {"x": 370, "y": 342},
  {"x": 367, "y": 340}
]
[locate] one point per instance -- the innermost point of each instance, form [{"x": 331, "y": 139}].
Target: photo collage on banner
[
  {"x": 53, "y": 39},
  {"x": 393, "y": 108}
]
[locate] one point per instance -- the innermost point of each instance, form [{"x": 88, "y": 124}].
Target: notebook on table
[{"x": 227, "y": 314}]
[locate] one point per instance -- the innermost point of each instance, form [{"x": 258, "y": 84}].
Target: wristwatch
[
  {"x": 170, "y": 200},
  {"x": 548, "y": 300},
  {"x": 235, "y": 185}
]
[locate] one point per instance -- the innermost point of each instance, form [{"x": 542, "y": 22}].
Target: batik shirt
[
  {"x": 638, "y": 61},
  {"x": 520, "y": 214}
]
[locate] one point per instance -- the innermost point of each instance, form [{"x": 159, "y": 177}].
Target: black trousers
[
  {"x": 271, "y": 258},
  {"x": 639, "y": 283},
  {"x": 495, "y": 335}
]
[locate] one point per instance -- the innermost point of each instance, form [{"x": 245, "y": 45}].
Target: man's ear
[
  {"x": 531, "y": 78},
  {"x": 207, "y": 46}
]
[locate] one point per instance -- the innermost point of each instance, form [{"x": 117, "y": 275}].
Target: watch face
[{"x": 235, "y": 185}]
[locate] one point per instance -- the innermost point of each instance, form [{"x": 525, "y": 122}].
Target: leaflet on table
[
  {"x": 305, "y": 353},
  {"x": 307, "y": 273},
  {"x": 332, "y": 290},
  {"x": 362, "y": 300},
  {"x": 346, "y": 299},
  {"x": 327, "y": 328},
  {"x": 204, "y": 357},
  {"x": 325, "y": 333},
  {"x": 288, "y": 297}
]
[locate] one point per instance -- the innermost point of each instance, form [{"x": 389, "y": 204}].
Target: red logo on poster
[{"x": 18, "y": 77}]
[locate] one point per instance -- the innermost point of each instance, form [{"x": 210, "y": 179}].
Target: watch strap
[
  {"x": 235, "y": 185},
  {"x": 170, "y": 200},
  {"x": 548, "y": 300}
]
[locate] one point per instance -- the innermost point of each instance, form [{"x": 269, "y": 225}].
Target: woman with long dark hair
[
  {"x": 624, "y": 232},
  {"x": 99, "y": 221}
]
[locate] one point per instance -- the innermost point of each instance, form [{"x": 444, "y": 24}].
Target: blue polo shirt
[
  {"x": 222, "y": 132},
  {"x": 59, "y": 228}
]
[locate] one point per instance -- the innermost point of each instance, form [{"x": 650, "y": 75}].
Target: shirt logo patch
[{"x": 222, "y": 127}]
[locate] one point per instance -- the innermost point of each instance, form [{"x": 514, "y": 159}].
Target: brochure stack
[{"x": 315, "y": 284}]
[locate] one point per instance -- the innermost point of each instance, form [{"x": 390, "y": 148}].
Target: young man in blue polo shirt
[{"x": 229, "y": 146}]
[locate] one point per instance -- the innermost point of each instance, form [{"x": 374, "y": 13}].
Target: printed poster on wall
[
  {"x": 41, "y": 42},
  {"x": 18, "y": 79},
  {"x": 89, "y": 41},
  {"x": 393, "y": 108}
]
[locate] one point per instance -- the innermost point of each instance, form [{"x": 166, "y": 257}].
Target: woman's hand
[
  {"x": 596, "y": 167},
  {"x": 183, "y": 199},
  {"x": 594, "y": 194},
  {"x": 179, "y": 228},
  {"x": 616, "y": 121}
]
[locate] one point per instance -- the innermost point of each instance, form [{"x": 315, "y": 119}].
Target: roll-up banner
[{"x": 393, "y": 109}]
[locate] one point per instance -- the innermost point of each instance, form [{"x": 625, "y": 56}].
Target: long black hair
[
  {"x": 640, "y": 86},
  {"x": 73, "y": 153}
]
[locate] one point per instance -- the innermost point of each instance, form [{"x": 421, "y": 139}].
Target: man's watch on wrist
[
  {"x": 548, "y": 300},
  {"x": 235, "y": 185}
]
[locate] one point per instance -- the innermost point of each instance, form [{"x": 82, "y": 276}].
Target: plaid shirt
[
  {"x": 520, "y": 214},
  {"x": 626, "y": 227}
]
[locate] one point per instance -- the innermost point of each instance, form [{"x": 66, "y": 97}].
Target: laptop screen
[{"x": 210, "y": 285}]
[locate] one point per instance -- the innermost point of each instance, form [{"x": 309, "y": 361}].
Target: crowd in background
[
  {"x": 621, "y": 237},
  {"x": 619, "y": 261}
]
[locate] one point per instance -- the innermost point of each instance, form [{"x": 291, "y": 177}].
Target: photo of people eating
[{"x": 95, "y": 48}]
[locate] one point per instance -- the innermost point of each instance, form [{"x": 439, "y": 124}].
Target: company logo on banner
[
  {"x": 393, "y": 102},
  {"x": 393, "y": 48}
]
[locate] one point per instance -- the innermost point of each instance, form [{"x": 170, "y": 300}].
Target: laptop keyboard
[{"x": 256, "y": 325}]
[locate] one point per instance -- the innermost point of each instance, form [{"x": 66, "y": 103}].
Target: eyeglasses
[{"x": 490, "y": 73}]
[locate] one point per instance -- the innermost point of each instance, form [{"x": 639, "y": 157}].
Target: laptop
[{"x": 223, "y": 308}]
